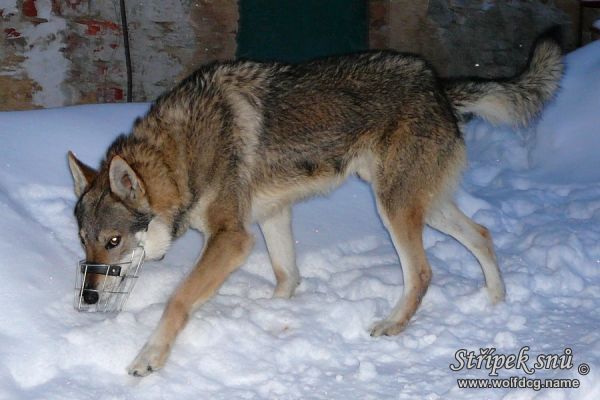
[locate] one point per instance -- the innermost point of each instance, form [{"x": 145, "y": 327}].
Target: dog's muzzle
[{"x": 114, "y": 283}]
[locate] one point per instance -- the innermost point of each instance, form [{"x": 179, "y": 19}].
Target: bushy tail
[{"x": 513, "y": 101}]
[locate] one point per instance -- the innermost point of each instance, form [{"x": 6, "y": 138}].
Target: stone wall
[
  {"x": 485, "y": 38},
  {"x": 62, "y": 52}
]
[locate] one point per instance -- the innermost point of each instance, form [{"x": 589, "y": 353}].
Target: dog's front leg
[{"x": 223, "y": 254}]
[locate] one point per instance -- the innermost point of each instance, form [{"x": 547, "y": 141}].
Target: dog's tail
[{"x": 514, "y": 101}]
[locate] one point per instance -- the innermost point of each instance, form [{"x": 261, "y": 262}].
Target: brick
[{"x": 29, "y": 9}]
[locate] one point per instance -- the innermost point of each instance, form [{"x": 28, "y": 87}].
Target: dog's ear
[
  {"x": 125, "y": 183},
  {"x": 82, "y": 174}
]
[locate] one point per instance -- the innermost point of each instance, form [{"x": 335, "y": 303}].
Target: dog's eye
[{"x": 113, "y": 242}]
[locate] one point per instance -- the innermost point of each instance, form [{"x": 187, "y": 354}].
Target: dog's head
[{"x": 114, "y": 217}]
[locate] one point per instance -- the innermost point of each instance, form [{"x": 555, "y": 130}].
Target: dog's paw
[
  {"x": 496, "y": 293},
  {"x": 388, "y": 328},
  {"x": 151, "y": 358},
  {"x": 283, "y": 291},
  {"x": 286, "y": 289}
]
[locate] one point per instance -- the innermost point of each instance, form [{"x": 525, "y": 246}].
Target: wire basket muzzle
[{"x": 113, "y": 283}]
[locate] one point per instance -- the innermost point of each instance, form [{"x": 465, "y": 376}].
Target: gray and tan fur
[{"x": 239, "y": 142}]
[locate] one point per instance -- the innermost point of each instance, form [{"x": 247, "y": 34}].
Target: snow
[
  {"x": 567, "y": 138},
  {"x": 537, "y": 189}
]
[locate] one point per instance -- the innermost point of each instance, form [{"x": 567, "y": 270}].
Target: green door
[{"x": 298, "y": 30}]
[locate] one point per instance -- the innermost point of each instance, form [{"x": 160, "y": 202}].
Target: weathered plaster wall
[
  {"x": 484, "y": 38},
  {"x": 61, "y": 52},
  {"x": 23, "y": 81}
]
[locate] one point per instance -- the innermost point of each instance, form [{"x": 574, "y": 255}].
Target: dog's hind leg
[
  {"x": 405, "y": 225},
  {"x": 447, "y": 218},
  {"x": 277, "y": 231}
]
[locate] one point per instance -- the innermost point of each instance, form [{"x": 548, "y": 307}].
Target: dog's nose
[{"x": 90, "y": 296}]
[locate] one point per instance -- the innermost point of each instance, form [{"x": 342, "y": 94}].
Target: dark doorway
[{"x": 298, "y": 30}]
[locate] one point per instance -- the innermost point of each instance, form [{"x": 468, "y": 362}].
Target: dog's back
[{"x": 299, "y": 129}]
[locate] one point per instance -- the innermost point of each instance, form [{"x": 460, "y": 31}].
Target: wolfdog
[{"x": 239, "y": 142}]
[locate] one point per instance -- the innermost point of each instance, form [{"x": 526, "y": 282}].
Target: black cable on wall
[{"x": 127, "y": 53}]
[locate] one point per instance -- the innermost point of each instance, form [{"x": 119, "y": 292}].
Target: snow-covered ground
[{"x": 537, "y": 189}]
